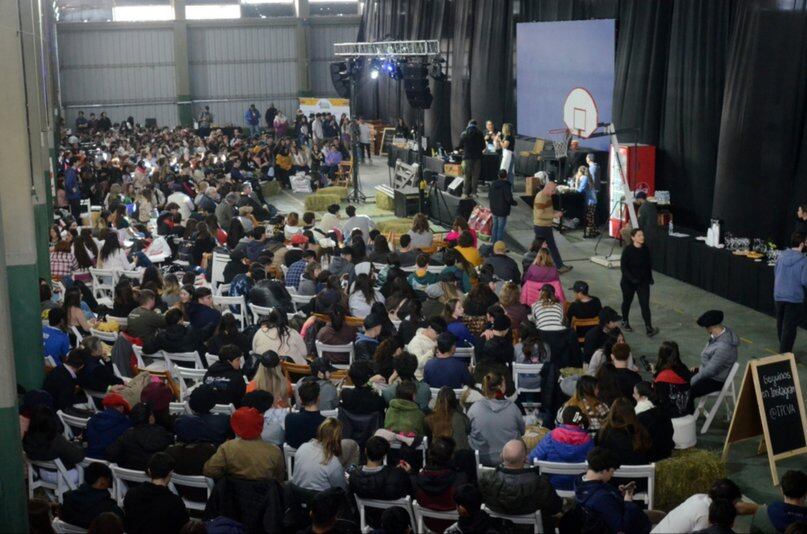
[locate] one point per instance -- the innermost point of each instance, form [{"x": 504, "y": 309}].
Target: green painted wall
[
  {"x": 26, "y": 325},
  {"x": 13, "y": 497}
]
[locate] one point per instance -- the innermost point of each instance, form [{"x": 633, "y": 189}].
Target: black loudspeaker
[
  {"x": 444, "y": 208},
  {"x": 340, "y": 76},
  {"x": 416, "y": 85}
]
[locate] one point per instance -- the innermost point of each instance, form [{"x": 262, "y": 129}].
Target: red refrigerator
[{"x": 639, "y": 165}]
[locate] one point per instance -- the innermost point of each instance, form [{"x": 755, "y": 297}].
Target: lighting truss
[{"x": 388, "y": 49}]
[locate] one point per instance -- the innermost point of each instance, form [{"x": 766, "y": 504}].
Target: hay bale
[
  {"x": 566, "y": 372},
  {"x": 533, "y": 435},
  {"x": 686, "y": 472},
  {"x": 396, "y": 226},
  {"x": 384, "y": 202},
  {"x": 270, "y": 188},
  {"x": 320, "y": 202},
  {"x": 340, "y": 191}
]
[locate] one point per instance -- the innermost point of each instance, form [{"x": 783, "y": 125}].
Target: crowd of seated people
[{"x": 413, "y": 393}]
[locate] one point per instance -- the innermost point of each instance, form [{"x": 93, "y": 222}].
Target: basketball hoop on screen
[{"x": 581, "y": 117}]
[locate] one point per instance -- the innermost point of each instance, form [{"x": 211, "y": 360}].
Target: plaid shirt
[
  {"x": 62, "y": 264},
  {"x": 295, "y": 272}
]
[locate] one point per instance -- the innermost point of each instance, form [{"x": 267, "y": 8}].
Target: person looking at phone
[{"x": 612, "y": 508}]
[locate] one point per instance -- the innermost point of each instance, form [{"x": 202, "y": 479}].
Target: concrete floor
[{"x": 675, "y": 306}]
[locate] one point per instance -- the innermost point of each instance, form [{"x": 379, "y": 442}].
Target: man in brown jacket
[{"x": 543, "y": 216}]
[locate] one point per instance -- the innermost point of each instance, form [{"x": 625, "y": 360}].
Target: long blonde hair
[
  {"x": 507, "y": 129},
  {"x": 441, "y": 420},
  {"x": 329, "y": 436},
  {"x": 273, "y": 381},
  {"x": 450, "y": 292},
  {"x": 543, "y": 258},
  {"x": 510, "y": 294}
]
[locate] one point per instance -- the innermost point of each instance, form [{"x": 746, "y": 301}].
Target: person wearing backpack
[{"x": 603, "y": 507}]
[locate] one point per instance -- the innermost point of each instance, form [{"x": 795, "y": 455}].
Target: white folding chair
[
  {"x": 422, "y": 513},
  {"x": 63, "y": 483},
  {"x": 410, "y": 269},
  {"x": 77, "y": 333},
  {"x": 640, "y": 471},
  {"x": 223, "y": 290},
  {"x": 560, "y": 468},
  {"x": 122, "y": 321},
  {"x": 173, "y": 359},
  {"x": 91, "y": 396},
  {"x": 103, "y": 285},
  {"x": 177, "y": 408},
  {"x": 211, "y": 358},
  {"x": 223, "y": 304},
  {"x": 464, "y": 353},
  {"x": 60, "y": 527},
  {"x": 721, "y": 397},
  {"x": 258, "y": 312},
  {"x": 300, "y": 300},
  {"x": 289, "y": 453},
  {"x": 435, "y": 391},
  {"x": 69, "y": 422},
  {"x": 217, "y": 269},
  {"x": 138, "y": 352},
  {"x": 49, "y": 361},
  {"x": 107, "y": 337},
  {"x": 520, "y": 369},
  {"x": 348, "y": 349},
  {"x": 533, "y": 519},
  {"x": 188, "y": 481},
  {"x": 479, "y": 467},
  {"x": 331, "y": 413},
  {"x": 405, "y": 503},
  {"x": 224, "y": 409},
  {"x": 422, "y": 448},
  {"x": 183, "y": 375},
  {"x": 122, "y": 477},
  {"x": 131, "y": 275}
]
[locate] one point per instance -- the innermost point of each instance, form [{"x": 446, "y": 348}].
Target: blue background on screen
[{"x": 552, "y": 58}]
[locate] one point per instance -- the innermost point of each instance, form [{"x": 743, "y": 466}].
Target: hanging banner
[{"x": 336, "y": 106}]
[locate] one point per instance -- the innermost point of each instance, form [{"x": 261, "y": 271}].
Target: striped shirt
[{"x": 548, "y": 317}]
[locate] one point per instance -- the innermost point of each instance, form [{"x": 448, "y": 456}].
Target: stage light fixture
[{"x": 374, "y": 74}]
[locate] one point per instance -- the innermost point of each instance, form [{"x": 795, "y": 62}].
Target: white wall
[{"x": 128, "y": 69}]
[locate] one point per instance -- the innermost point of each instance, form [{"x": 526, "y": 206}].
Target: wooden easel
[{"x": 750, "y": 418}]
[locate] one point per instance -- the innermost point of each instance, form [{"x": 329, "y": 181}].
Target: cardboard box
[
  {"x": 533, "y": 185},
  {"x": 453, "y": 169}
]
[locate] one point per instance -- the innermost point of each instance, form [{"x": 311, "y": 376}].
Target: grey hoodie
[
  {"x": 494, "y": 422},
  {"x": 718, "y": 356}
]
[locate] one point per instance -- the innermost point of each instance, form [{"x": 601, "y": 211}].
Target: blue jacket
[
  {"x": 56, "y": 343},
  {"x": 567, "y": 444},
  {"x": 464, "y": 336},
  {"x": 103, "y": 429},
  {"x": 203, "y": 319},
  {"x": 71, "y": 184},
  {"x": 587, "y": 188},
  {"x": 607, "y": 503},
  {"x": 790, "y": 277},
  {"x": 253, "y": 118}
]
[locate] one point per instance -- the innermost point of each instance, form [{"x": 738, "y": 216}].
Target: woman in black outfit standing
[{"x": 637, "y": 277}]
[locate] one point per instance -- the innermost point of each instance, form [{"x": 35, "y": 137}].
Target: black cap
[
  {"x": 710, "y": 318},
  {"x": 640, "y": 195},
  {"x": 321, "y": 365},
  {"x": 608, "y": 314},
  {"x": 580, "y": 287}
]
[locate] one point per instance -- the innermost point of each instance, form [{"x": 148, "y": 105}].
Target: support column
[
  {"x": 303, "y": 37},
  {"x": 38, "y": 93},
  {"x": 16, "y": 196},
  {"x": 16, "y": 190},
  {"x": 181, "y": 65}
]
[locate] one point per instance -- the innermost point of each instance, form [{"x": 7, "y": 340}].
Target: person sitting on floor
[
  {"x": 516, "y": 488},
  {"x": 693, "y": 513},
  {"x": 83, "y": 504},
  {"x": 777, "y": 516},
  {"x": 151, "y": 507},
  {"x": 722, "y": 515},
  {"x": 611, "y": 506},
  {"x": 247, "y": 456},
  {"x": 655, "y": 420}
]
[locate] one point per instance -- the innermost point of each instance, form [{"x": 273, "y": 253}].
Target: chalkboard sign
[
  {"x": 386, "y": 140},
  {"x": 770, "y": 404},
  {"x": 781, "y": 406}
]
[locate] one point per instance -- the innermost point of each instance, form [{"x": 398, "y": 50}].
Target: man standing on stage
[
  {"x": 790, "y": 277},
  {"x": 472, "y": 142},
  {"x": 543, "y": 217}
]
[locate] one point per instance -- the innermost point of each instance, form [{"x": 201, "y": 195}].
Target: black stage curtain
[{"x": 719, "y": 87}]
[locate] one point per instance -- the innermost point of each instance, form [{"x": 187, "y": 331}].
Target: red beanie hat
[
  {"x": 247, "y": 423},
  {"x": 113, "y": 400}
]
